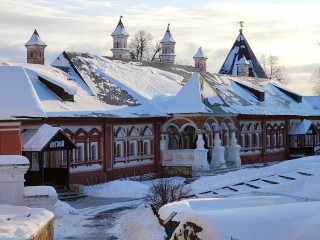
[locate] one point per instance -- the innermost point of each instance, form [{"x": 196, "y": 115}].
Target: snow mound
[
  {"x": 284, "y": 221},
  {"x": 118, "y": 188},
  {"x": 140, "y": 224},
  {"x": 62, "y": 208},
  {"x": 40, "y": 191}
]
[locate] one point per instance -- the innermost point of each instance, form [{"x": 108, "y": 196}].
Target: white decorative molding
[{"x": 12, "y": 170}]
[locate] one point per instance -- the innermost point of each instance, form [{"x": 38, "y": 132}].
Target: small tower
[
  {"x": 241, "y": 48},
  {"x": 243, "y": 67},
  {"x": 35, "y": 49},
  {"x": 120, "y": 47},
  {"x": 167, "y": 55},
  {"x": 200, "y": 61}
]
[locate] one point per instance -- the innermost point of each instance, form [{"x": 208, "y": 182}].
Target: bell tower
[
  {"x": 35, "y": 49},
  {"x": 200, "y": 61},
  {"x": 167, "y": 54},
  {"x": 120, "y": 36}
]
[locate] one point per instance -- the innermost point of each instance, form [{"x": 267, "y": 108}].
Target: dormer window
[
  {"x": 243, "y": 67},
  {"x": 59, "y": 91}
]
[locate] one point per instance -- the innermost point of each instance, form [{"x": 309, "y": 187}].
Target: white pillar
[
  {"x": 164, "y": 141},
  {"x": 200, "y": 154},
  {"x": 12, "y": 170},
  {"x": 234, "y": 150},
  {"x": 217, "y": 157}
]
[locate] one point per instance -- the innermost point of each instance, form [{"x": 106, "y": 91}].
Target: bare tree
[
  {"x": 315, "y": 79},
  {"x": 273, "y": 69},
  {"x": 156, "y": 49},
  {"x": 139, "y": 44},
  {"x": 165, "y": 191}
]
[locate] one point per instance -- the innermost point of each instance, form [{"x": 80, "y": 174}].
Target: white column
[
  {"x": 200, "y": 154},
  {"x": 12, "y": 170},
  {"x": 217, "y": 157},
  {"x": 234, "y": 150},
  {"x": 164, "y": 141}
]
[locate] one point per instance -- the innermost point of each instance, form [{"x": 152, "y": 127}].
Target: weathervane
[
  {"x": 168, "y": 26},
  {"x": 121, "y": 17},
  {"x": 241, "y": 26}
]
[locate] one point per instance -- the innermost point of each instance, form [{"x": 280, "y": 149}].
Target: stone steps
[{"x": 64, "y": 193}]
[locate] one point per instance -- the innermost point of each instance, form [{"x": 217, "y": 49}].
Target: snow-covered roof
[
  {"x": 120, "y": 30},
  {"x": 241, "y": 48},
  {"x": 223, "y": 94},
  {"x": 103, "y": 87},
  {"x": 199, "y": 54},
  {"x": 36, "y": 139},
  {"x": 191, "y": 97},
  {"x": 111, "y": 88},
  {"x": 167, "y": 37},
  {"x": 300, "y": 128},
  {"x": 35, "y": 40},
  {"x": 18, "y": 97}
]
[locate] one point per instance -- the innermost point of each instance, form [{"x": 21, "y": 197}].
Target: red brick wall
[{"x": 10, "y": 143}]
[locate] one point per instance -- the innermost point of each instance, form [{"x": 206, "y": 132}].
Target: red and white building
[{"x": 112, "y": 119}]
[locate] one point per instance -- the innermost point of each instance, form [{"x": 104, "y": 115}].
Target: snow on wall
[
  {"x": 36, "y": 191},
  {"x": 17, "y": 222},
  {"x": 13, "y": 159}
]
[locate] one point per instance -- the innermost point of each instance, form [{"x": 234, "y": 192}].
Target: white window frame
[
  {"x": 148, "y": 147},
  {"x": 134, "y": 143},
  {"x": 95, "y": 146},
  {"x": 119, "y": 143},
  {"x": 81, "y": 145}
]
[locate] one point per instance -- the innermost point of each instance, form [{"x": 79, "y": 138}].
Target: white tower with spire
[
  {"x": 200, "y": 61},
  {"x": 35, "y": 49},
  {"x": 120, "y": 47},
  {"x": 167, "y": 54}
]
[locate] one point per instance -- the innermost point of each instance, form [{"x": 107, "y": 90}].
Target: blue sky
[{"x": 289, "y": 29}]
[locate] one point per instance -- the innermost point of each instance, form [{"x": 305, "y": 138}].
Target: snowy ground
[{"x": 132, "y": 219}]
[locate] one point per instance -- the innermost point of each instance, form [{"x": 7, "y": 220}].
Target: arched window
[
  {"x": 132, "y": 149},
  {"x": 146, "y": 148},
  {"x": 189, "y": 138},
  {"x": 173, "y": 138},
  {"x": 79, "y": 153},
  {"x": 93, "y": 152},
  {"x": 119, "y": 150}
]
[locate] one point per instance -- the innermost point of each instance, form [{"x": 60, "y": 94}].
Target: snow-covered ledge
[
  {"x": 40, "y": 197},
  {"x": 12, "y": 170}
]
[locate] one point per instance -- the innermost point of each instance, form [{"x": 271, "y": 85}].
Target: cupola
[
  {"x": 120, "y": 37},
  {"x": 167, "y": 53},
  {"x": 200, "y": 61},
  {"x": 35, "y": 49}
]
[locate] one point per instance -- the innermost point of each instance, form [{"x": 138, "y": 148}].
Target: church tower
[
  {"x": 167, "y": 55},
  {"x": 35, "y": 49},
  {"x": 241, "y": 49},
  {"x": 120, "y": 47},
  {"x": 200, "y": 61}
]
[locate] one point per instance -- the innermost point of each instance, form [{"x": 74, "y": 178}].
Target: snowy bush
[{"x": 165, "y": 191}]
